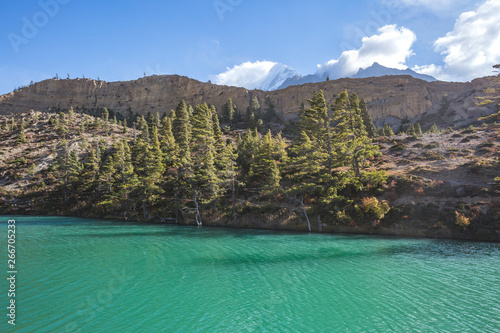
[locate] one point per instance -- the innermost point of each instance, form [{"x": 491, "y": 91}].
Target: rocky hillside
[
  {"x": 390, "y": 98},
  {"x": 440, "y": 185}
]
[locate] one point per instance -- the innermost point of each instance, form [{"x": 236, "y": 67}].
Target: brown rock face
[{"x": 388, "y": 98}]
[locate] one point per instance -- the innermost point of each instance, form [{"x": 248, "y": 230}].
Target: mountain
[
  {"x": 278, "y": 74},
  {"x": 377, "y": 70},
  {"x": 390, "y": 99},
  {"x": 300, "y": 80}
]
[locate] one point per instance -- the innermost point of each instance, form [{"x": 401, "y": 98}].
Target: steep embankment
[
  {"x": 390, "y": 98},
  {"x": 440, "y": 185}
]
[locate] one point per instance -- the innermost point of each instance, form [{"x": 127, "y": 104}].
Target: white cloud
[
  {"x": 248, "y": 75},
  {"x": 434, "y": 71},
  {"x": 390, "y": 48},
  {"x": 472, "y": 48}
]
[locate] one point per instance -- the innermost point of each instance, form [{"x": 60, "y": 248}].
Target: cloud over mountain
[
  {"x": 472, "y": 47},
  {"x": 264, "y": 75},
  {"x": 390, "y": 48}
]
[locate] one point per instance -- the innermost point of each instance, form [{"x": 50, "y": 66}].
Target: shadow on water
[{"x": 258, "y": 259}]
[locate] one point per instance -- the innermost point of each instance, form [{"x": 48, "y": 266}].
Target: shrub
[
  {"x": 398, "y": 147},
  {"x": 432, "y": 145},
  {"x": 343, "y": 217},
  {"x": 371, "y": 205},
  {"x": 433, "y": 156},
  {"x": 469, "y": 130},
  {"x": 462, "y": 220}
]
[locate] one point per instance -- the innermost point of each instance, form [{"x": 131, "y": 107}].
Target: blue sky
[{"x": 122, "y": 40}]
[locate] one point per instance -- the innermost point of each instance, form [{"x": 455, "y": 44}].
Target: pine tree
[
  {"x": 411, "y": 130},
  {"x": 168, "y": 146},
  {"x": 255, "y": 107},
  {"x": 90, "y": 171},
  {"x": 433, "y": 129},
  {"x": 270, "y": 109},
  {"x": 351, "y": 138},
  {"x": 227, "y": 171},
  {"x": 181, "y": 130},
  {"x": 252, "y": 122},
  {"x": 74, "y": 167},
  {"x": 105, "y": 118},
  {"x": 126, "y": 179},
  {"x": 418, "y": 129},
  {"x": 264, "y": 169},
  {"x": 107, "y": 172},
  {"x": 306, "y": 170},
  {"x": 314, "y": 120},
  {"x": 247, "y": 149},
  {"x": 149, "y": 167},
  {"x": 306, "y": 161},
  {"x": 228, "y": 111},
  {"x": 367, "y": 119},
  {"x": 21, "y": 138},
  {"x": 202, "y": 128},
  {"x": 388, "y": 130},
  {"x": 219, "y": 142}
]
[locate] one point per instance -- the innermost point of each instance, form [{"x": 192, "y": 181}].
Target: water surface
[{"x": 80, "y": 275}]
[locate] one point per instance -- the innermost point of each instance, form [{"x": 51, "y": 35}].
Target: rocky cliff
[{"x": 389, "y": 98}]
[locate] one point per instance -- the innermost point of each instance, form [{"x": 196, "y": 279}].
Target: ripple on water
[{"x": 105, "y": 276}]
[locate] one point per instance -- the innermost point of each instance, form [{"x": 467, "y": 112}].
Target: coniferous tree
[
  {"x": 168, "y": 146},
  {"x": 219, "y": 142},
  {"x": 314, "y": 120},
  {"x": 264, "y": 169},
  {"x": 367, "y": 119},
  {"x": 418, "y": 129},
  {"x": 433, "y": 129},
  {"x": 149, "y": 166},
  {"x": 105, "y": 118},
  {"x": 90, "y": 171},
  {"x": 411, "y": 130},
  {"x": 351, "y": 138},
  {"x": 21, "y": 138},
  {"x": 270, "y": 109},
  {"x": 255, "y": 107},
  {"x": 202, "y": 128},
  {"x": 228, "y": 111},
  {"x": 388, "y": 130},
  {"x": 107, "y": 172},
  {"x": 181, "y": 130},
  {"x": 252, "y": 122},
  {"x": 247, "y": 149}
]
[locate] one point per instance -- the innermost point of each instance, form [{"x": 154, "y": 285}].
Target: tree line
[{"x": 182, "y": 165}]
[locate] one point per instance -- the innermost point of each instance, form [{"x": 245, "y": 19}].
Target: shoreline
[{"x": 414, "y": 233}]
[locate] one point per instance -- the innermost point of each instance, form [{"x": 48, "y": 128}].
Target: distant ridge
[{"x": 377, "y": 70}]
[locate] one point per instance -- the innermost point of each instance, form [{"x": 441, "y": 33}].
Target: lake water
[{"x": 80, "y": 275}]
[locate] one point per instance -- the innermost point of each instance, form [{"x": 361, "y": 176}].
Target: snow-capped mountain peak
[
  {"x": 278, "y": 74},
  {"x": 263, "y": 75}
]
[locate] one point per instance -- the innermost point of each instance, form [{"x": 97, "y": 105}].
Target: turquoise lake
[{"x": 81, "y": 275}]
